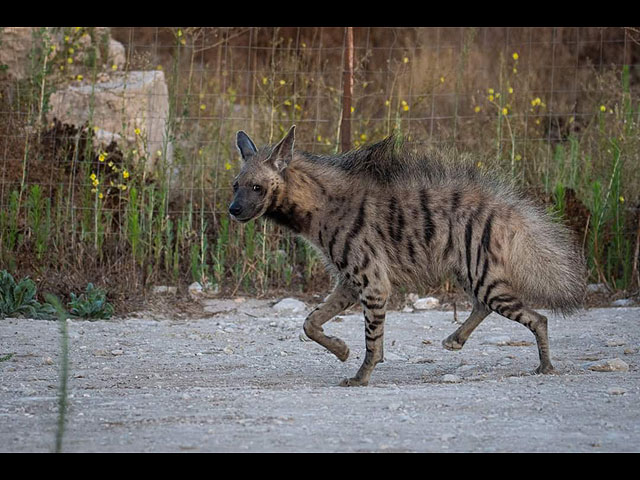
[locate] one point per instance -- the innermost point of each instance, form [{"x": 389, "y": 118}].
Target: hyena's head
[{"x": 261, "y": 176}]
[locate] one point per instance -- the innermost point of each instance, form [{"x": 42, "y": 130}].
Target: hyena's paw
[
  {"x": 452, "y": 343},
  {"x": 545, "y": 369},
  {"x": 338, "y": 348},
  {"x": 354, "y": 382}
]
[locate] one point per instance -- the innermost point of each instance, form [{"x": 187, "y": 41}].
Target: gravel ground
[{"x": 239, "y": 378}]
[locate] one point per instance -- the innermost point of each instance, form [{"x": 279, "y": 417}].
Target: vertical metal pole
[{"x": 347, "y": 92}]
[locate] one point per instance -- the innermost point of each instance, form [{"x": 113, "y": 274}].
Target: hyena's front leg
[
  {"x": 341, "y": 298},
  {"x": 374, "y": 303}
]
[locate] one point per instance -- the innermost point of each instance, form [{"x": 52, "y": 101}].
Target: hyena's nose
[{"x": 235, "y": 209}]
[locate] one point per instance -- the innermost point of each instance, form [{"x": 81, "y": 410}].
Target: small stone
[
  {"x": 164, "y": 290},
  {"x": 615, "y": 342},
  {"x": 291, "y": 305},
  {"x": 451, "y": 378},
  {"x": 596, "y": 288},
  {"x": 500, "y": 340},
  {"x": 48, "y": 361},
  {"x": 622, "y": 302},
  {"x": 609, "y": 365},
  {"x": 427, "y": 303},
  {"x": 227, "y": 350},
  {"x": 195, "y": 290},
  {"x": 616, "y": 391},
  {"x": 117, "y": 352}
]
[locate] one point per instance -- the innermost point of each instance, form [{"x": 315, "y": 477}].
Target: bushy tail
[{"x": 546, "y": 266}]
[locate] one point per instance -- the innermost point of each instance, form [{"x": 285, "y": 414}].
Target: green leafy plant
[
  {"x": 90, "y": 304},
  {"x": 19, "y": 298}
]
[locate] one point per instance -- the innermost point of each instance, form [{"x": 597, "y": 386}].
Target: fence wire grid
[{"x": 143, "y": 183}]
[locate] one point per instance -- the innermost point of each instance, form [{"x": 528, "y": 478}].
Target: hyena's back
[{"x": 478, "y": 229}]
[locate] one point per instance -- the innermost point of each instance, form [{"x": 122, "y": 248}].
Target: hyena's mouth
[{"x": 241, "y": 218}]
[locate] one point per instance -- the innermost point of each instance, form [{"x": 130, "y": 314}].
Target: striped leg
[
  {"x": 374, "y": 316},
  {"x": 341, "y": 298},
  {"x": 457, "y": 339},
  {"x": 503, "y": 301}
]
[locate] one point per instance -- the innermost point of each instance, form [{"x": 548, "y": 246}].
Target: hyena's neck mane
[{"x": 391, "y": 162}]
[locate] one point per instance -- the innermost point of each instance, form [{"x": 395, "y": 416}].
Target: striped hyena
[{"x": 382, "y": 216}]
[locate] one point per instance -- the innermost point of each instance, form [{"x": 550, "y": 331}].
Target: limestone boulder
[{"x": 131, "y": 108}]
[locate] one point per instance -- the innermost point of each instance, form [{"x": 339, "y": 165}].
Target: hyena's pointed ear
[
  {"x": 283, "y": 151},
  {"x": 245, "y": 145}
]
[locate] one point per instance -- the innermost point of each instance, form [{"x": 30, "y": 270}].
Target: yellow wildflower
[
  {"x": 491, "y": 98},
  {"x": 203, "y": 107},
  {"x": 264, "y": 80},
  {"x": 363, "y": 137},
  {"x": 227, "y": 166},
  {"x": 71, "y": 50},
  {"x": 100, "y": 195},
  {"x": 297, "y": 107},
  {"x": 137, "y": 131},
  {"x": 125, "y": 174},
  {"x": 405, "y": 106},
  {"x": 441, "y": 79},
  {"x": 387, "y": 103},
  {"x": 621, "y": 199},
  {"x": 114, "y": 67},
  {"x": 92, "y": 176},
  {"x": 102, "y": 156},
  {"x": 287, "y": 103},
  {"x": 282, "y": 82},
  {"x": 353, "y": 109},
  {"x": 505, "y": 111},
  {"x": 490, "y": 91},
  {"x": 603, "y": 108},
  {"x": 69, "y": 60},
  {"x": 79, "y": 77},
  {"x": 515, "y": 55},
  {"x": 510, "y": 89},
  {"x": 405, "y": 60},
  {"x": 477, "y": 109}
]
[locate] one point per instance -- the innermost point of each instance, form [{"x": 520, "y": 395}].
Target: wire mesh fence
[{"x": 117, "y": 144}]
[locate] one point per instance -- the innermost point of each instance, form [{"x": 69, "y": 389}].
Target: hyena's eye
[{"x": 257, "y": 188}]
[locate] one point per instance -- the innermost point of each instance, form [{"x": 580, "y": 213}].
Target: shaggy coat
[{"x": 383, "y": 216}]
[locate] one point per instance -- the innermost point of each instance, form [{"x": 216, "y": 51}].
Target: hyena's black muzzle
[{"x": 244, "y": 207}]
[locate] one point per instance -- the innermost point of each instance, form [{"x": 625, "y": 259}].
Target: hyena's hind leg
[
  {"x": 457, "y": 339},
  {"x": 340, "y": 299},
  {"x": 504, "y": 301}
]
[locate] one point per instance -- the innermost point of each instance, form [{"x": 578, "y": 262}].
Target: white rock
[
  {"x": 499, "y": 340},
  {"x": 427, "y": 303},
  {"x": 162, "y": 289},
  {"x": 622, "y": 302},
  {"x": 290, "y": 305},
  {"x": 615, "y": 342},
  {"x": 616, "y": 391},
  {"x": 596, "y": 288},
  {"x": 195, "y": 290},
  {"x": 133, "y": 105},
  {"x": 451, "y": 378},
  {"x": 609, "y": 365}
]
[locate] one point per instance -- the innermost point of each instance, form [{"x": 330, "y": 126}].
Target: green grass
[{"x": 151, "y": 230}]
